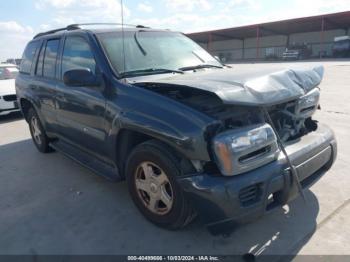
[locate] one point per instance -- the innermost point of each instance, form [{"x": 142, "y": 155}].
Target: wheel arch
[
  {"x": 128, "y": 139},
  {"x": 25, "y": 105}
]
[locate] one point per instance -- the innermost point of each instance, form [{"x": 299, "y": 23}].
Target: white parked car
[{"x": 8, "y": 99}]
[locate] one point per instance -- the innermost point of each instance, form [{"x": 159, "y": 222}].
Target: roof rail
[
  {"x": 78, "y": 26},
  {"x": 68, "y": 28},
  {"x": 120, "y": 24}
]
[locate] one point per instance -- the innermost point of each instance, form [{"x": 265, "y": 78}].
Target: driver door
[{"x": 81, "y": 110}]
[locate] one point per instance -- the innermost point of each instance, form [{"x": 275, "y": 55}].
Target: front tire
[
  {"x": 37, "y": 131},
  {"x": 151, "y": 173}
]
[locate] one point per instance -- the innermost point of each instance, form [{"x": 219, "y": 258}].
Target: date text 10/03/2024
[{"x": 173, "y": 258}]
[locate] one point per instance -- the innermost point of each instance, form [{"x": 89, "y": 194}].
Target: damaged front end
[
  {"x": 253, "y": 157},
  {"x": 245, "y": 141},
  {"x": 293, "y": 119},
  {"x": 241, "y": 140}
]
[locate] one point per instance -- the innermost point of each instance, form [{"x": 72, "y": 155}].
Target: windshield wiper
[
  {"x": 150, "y": 71},
  {"x": 143, "y": 51},
  {"x": 199, "y": 67}
]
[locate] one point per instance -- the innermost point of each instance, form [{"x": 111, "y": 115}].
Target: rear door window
[
  {"x": 28, "y": 56},
  {"x": 39, "y": 66},
  {"x": 50, "y": 57}
]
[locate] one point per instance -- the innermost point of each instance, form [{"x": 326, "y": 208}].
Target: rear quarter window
[{"x": 28, "y": 56}]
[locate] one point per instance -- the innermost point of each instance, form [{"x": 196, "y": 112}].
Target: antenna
[{"x": 123, "y": 37}]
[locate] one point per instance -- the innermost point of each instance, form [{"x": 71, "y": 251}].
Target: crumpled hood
[
  {"x": 246, "y": 86},
  {"x": 7, "y": 87}
]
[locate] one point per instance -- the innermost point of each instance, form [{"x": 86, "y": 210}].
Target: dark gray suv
[{"x": 191, "y": 136}]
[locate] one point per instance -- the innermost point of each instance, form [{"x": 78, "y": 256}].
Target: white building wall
[
  {"x": 230, "y": 49},
  {"x": 226, "y": 44},
  {"x": 267, "y": 41},
  {"x": 233, "y": 49},
  {"x": 313, "y": 39}
]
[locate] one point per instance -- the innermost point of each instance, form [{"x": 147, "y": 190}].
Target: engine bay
[{"x": 292, "y": 119}]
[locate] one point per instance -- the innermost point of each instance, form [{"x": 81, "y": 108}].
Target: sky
[{"x": 20, "y": 20}]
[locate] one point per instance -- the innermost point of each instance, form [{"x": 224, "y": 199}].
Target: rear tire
[
  {"x": 37, "y": 131},
  {"x": 151, "y": 173}
]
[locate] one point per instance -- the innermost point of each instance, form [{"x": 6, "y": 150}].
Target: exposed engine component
[
  {"x": 205, "y": 102},
  {"x": 289, "y": 118},
  {"x": 211, "y": 105}
]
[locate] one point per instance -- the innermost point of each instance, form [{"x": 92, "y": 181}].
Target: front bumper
[
  {"x": 223, "y": 202},
  {"x": 7, "y": 107}
]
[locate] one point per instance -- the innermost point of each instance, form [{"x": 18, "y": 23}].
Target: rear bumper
[{"x": 224, "y": 202}]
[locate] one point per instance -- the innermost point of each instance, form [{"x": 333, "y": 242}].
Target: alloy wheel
[
  {"x": 36, "y": 131},
  {"x": 153, "y": 188}
]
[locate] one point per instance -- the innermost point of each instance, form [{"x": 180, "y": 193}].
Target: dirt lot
[{"x": 51, "y": 205}]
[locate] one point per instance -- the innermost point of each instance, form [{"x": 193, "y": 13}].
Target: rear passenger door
[
  {"x": 81, "y": 109},
  {"x": 45, "y": 81}
]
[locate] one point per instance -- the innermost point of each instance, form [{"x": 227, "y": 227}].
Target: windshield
[
  {"x": 8, "y": 72},
  {"x": 150, "y": 52}
]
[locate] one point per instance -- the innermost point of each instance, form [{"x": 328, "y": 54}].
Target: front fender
[
  {"x": 187, "y": 144},
  {"x": 177, "y": 125}
]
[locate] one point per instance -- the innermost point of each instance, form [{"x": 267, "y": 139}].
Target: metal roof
[{"x": 284, "y": 27}]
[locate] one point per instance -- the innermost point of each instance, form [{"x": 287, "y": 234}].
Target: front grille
[
  {"x": 10, "y": 98},
  {"x": 250, "y": 195}
]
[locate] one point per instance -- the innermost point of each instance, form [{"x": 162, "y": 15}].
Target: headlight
[
  {"x": 310, "y": 98},
  {"x": 240, "y": 150},
  {"x": 307, "y": 104}
]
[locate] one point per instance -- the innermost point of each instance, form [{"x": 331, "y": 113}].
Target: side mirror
[{"x": 80, "y": 77}]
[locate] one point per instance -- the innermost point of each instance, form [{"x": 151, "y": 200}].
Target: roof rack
[
  {"x": 78, "y": 26},
  {"x": 68, "y": 28}
]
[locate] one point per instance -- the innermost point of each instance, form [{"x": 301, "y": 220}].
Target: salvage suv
[{"x": 190, "y": 135}]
